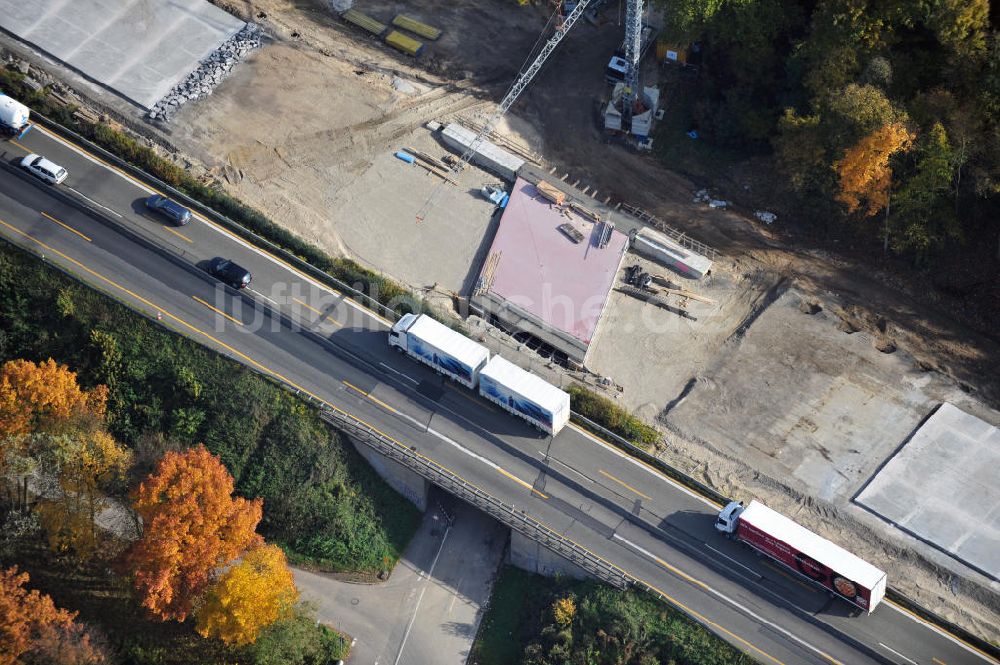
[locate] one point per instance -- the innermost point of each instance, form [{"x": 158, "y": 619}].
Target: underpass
[{"x": 332, "y": 350}]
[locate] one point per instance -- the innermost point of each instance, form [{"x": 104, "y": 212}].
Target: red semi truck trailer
[{"x": 804, "y": 552}]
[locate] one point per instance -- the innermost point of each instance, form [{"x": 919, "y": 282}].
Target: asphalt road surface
[
  {"x": 429, "y": 610},
  {"x": 335, "y": 351}
]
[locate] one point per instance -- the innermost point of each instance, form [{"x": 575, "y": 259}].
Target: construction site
[{"x": 386, "y": 132}]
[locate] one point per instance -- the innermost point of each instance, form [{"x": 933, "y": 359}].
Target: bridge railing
[{"x": 507, "y": 514}]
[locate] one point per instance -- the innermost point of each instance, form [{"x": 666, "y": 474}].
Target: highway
[{"x": 335, "y": 351}]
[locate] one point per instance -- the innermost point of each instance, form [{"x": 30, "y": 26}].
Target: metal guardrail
[
  {"x": 682, "y": 239},
  {"x": 232, "y": 225},
  {"x": 516, "y": 519},
  {"x": 654, "y": 461},
  {"x": 448, "y": 481}
]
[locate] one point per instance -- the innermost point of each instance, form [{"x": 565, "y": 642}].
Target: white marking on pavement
[
  {"x": 942, "y": 633},
  {"x": 396, "y": 371},
  {"x": 113, "y": 212},
  {"x": 891, "y": 650},
  {"x": 258, "y": 293},
  {"x": 632, "y": 460},
  {"x": 746, "y": 610},
  {"x": 141, "y": 185},
  {"x": 751, "y": 570},
  {"x": 406, "y": 634},
  {"x": 568, "y": 467}
]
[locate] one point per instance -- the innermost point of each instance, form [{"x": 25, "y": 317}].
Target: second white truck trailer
[
  {"x": 522, "y": 393},
  {"x": 500, "y": 381}
]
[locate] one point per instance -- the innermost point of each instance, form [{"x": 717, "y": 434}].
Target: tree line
[
  {"x": 879, "y": 115},
  {"x": 197, "y": 553}
]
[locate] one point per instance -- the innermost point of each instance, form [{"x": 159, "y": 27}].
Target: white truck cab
[
  {"x": 396, "y": 337},
  {"x": 729, "y": 517}
]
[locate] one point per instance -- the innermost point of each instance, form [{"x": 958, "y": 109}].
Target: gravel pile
[{"x": 210, "y": 73}]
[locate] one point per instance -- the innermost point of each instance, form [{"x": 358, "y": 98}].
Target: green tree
[{"x": 924, "y": 215}]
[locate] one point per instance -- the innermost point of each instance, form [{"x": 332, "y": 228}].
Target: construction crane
[
  {"x": 632, "y": 107},
  {"x": 526, "y": 76},
  {"x": 633, "y": 51}
]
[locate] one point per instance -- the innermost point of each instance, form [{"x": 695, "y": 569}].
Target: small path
[{"x": 428, "y": 611}]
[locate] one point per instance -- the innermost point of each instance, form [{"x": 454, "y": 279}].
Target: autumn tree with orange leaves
[
  {"x": 192, "y": 526},
  {"x": 865, "y": 176},
  {"x": 45, "y": 397},
  {"x": 253, "y": 594},
  {"x": 53, "y": 430},
  {"x": 34, "y": 630}
]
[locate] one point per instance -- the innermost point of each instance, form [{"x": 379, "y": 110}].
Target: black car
[
  {"x": 171, "y": 209},
  {"x": 230, "y": 273}
]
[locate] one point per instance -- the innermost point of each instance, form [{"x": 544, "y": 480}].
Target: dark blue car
[{"x": 170, "y": 209}]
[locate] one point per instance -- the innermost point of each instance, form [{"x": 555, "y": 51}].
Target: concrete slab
[
  {"x": 138, "y": 48},
  {"x": 534, "y": 267},
  {"x": 942, "y": 488}
]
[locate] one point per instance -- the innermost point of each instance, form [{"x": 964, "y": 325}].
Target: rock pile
[{"x": 209, "y": 73}]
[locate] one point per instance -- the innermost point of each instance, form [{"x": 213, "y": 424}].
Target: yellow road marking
[
  {"x": 942, "y": 630},
  {"x": 178, "y": 234},
  {"x": 391, "y": 439},
  {"x": 709, "y": 622},
  {"x": 790, "y": 577},
  {"x": 218, "y": 311},
  {"x": 369, "y": 396},
  {"x": 321, "y": 315},
  {"x": 652, "y": 468},
  {"x": 521, "y": 482},
  {"x": 19, "y": 145},
  {"x": 65, "y": 226},
  {"x": 483, "y": 403},
  {"x": 623, "y": 484},
  {"x": 939, "y": 662},
  {"x": 219, "y": 228}
]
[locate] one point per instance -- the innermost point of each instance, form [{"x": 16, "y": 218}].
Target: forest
[{"x": 880, "y": 118}]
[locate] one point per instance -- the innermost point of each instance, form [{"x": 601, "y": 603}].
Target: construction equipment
[
  {"x": 640, "y": 285},
  {"x": 550, "y": 192},
  {"x": 495, "y": 194},
  {"x": 515, "y": 91},
  {"x": 632, "y": 107}
]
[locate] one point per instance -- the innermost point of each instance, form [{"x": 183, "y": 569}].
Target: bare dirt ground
[{"x": 758, "y": 398}]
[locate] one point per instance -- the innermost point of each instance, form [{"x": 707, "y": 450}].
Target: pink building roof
[{"x": 540, "y": 270}]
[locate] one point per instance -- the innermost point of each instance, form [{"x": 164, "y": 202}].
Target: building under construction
[{"x": 551, "y": 266}]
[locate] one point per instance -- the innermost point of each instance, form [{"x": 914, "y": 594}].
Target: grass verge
[
  {"x": 322, "y": 502},
  {"x": 599, "y": 626}
]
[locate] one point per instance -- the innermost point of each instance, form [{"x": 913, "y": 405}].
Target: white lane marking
[
  {"x": 213, "y": 225},
  {"x": 402, "y": 644},
  {"x": 751, "y": 570},
  {"x": 739, "y": 606},
  {"x": 939, "y": 631},
  {"x": 396, "y": 371},
  {"x": 568, "y": 467},
  {"x": 258, "y": 293},
  {"x": 639, "y": 464},
  {"x": 459, "y": 446},
  {"x": 113, "y": 212},
  {"x": 891, "y": 650}
]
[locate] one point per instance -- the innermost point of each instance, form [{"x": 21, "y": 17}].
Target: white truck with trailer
[
  {"x": 804, "y": 552},
  {"x": 525, "y": 395},
  {"x": 13, "y": 115},
  {"x": 446, "y": 351},
  {"x": 500, "y": 381}
]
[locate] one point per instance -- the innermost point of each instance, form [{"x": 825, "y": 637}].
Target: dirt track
[{"x": 304, "y": 131}]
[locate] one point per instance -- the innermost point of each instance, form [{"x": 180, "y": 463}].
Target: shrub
[{"x": 606, "y": 413}]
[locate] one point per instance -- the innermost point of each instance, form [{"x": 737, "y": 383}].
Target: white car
[{"x": 44, "y": 169}]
